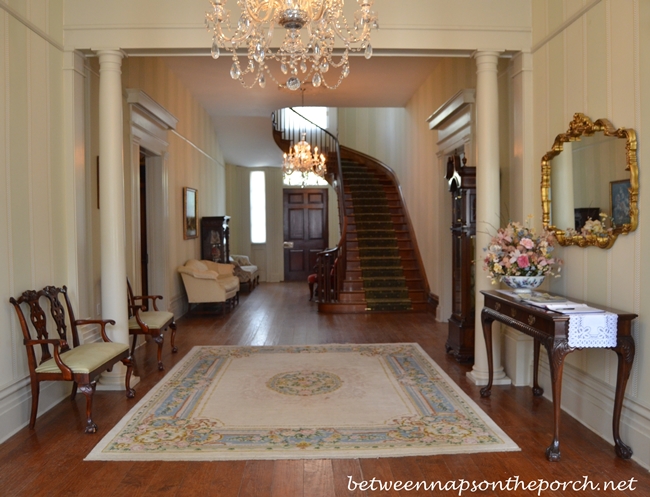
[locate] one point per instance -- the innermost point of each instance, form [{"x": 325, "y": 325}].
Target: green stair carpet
[{"x": 382, "y": 274}]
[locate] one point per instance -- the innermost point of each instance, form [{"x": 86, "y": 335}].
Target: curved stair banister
[
  {"x": 349, "y": 153},
  {"x": 377, "y": 265},
  {"x": 331, "y": 264}
]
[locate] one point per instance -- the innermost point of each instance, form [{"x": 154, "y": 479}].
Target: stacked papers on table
[
  {"x": 588, "y": 326},
  {"x": 571, "y": 308}
]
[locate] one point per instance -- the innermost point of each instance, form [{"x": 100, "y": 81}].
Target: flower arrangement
[
  {"x": 592, "y": 227},
  {"x": 517, "y": 250}
]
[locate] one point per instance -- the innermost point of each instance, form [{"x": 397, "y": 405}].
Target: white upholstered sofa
[
  {"x": 210, "y": 282},
  {"x": 245, "y": 270}
]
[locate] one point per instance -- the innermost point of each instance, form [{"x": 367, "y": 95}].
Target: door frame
[{"x": 150, "y": 123}]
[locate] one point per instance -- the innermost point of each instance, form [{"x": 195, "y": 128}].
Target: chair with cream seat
[
  {"x": 143, "y": 321},
  {"x": 82, "y": 363}
]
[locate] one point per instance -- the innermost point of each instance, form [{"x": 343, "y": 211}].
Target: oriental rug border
[{"x": 302, "y": 402}]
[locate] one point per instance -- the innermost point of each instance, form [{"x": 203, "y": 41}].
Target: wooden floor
[{"x": 48, "y": 461}]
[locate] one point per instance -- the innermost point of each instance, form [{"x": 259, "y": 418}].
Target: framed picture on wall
[
  {"x": 190, "y": 214},
  {"x": 619, "y": 199}
]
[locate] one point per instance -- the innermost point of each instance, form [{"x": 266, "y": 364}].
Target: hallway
[{"x": 49, "y": 460}]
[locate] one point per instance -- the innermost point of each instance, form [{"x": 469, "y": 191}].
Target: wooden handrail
[{"x": 332, "y": 263}]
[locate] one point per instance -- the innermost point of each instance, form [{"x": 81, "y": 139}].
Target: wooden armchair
[
  {"x": 81, "y": 364},
  {"x": 143, "y": 321}
]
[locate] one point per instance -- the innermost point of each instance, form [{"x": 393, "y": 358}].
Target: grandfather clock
[{"x": 462, "y": 185}]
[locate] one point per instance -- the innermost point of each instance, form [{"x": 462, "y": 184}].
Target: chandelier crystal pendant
[
  {"x": 301, "y": 159},
  {"x": 305, "y": 55}
]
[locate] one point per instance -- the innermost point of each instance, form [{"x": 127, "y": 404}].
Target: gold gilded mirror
[{"x": 590, "y": 184}]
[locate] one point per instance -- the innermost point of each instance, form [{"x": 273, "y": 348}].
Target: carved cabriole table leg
[
  {"x": 557, "y": 350},
  {"x": 486, "y": 321},
  {"x": 625, "y": 351}
]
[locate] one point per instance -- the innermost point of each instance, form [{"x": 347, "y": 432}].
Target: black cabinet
[
  {"x": 462, "y": 185},
  {"x": 215, "y": 236}
]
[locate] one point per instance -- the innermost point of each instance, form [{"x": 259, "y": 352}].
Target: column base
[
  {"x": 480, "y": 378},
  {"x": 115, "y": 379}
]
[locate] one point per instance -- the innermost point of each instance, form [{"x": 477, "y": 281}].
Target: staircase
[
  {"x": 376, "y": 266},
  {"x": 383, "y": 272}
]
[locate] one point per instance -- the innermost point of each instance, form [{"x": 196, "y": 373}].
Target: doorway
[
  {"x": 144, "y": 252},
  {"x": 305, "y": 230}
]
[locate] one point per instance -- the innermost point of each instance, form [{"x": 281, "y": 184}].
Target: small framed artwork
[
  {"x": 190, "y": 215},
  {"x": 619, "y": 199}
]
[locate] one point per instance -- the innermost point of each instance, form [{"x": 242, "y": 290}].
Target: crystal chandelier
[
  {"x": 302, "y": 59},
  {"x": 302, "y": 160}
]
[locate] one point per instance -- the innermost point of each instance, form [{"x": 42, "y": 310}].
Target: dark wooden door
[{"x": 305, "y": 231}]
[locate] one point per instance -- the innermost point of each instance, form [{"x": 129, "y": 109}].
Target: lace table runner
[{"x": 593, "y": 330}]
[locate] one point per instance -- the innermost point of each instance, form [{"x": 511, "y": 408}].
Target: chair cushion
[
  {"x": 85, "y": 358},
  {"x": 153, "y": 319},
  {"x": 241, "y": 260}
]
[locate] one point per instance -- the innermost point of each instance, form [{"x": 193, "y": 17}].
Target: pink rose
[
  {"x": 522, "y": 261},
  {"x": 527, "y": 242}
]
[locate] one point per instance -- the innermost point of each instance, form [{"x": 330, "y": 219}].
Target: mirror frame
[{"x": 580, "y": 126}]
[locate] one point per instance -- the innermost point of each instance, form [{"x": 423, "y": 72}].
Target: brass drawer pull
[
  {"x": 513, "y": 313},
  {"x": 531, "y": 320},
  {"x": 497, "y": 306}
]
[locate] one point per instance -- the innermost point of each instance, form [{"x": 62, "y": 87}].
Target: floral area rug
[{"x": 299, "y": 402}]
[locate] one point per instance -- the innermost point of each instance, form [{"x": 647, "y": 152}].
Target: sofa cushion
[
  {"x": 196, "y": 265},
  {"x": 229, "y": 283}
]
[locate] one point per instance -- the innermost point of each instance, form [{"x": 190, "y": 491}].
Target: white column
[
  {"x": 525, "y": 179},
  {"x": 112, "y": 217},
  {"x": 487, "y": 205}
]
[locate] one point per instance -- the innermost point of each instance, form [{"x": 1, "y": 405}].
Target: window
[
  {"x": 317, "y": 115},
  {"x": 258, "y": 206}
]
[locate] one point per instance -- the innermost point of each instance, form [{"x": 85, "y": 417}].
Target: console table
[{"x": 551, "y": 329}]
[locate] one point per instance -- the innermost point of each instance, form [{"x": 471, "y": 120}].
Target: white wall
[
  {"x": 598, "y": 66},
  {"x": 268, "y": 257},
  {"x": 33, "y": 203}
]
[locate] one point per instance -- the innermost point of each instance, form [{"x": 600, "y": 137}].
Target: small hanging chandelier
[
  {"x": 301, "y": 159},
  {"x": 302, "y": 59}
]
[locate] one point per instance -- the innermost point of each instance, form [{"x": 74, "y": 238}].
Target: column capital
[
  {"x": 110, "y": 51},
  {"x": 494, "y": 52}
]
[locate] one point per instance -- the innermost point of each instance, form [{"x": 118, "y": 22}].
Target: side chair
[
  {"x": 149, "y": 322},
  {"x": 82, "y": 364}
]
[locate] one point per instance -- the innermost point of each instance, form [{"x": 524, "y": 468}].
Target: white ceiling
[{"x": 242, "y": 116}]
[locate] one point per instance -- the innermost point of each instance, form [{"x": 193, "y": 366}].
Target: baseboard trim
[
  {"x": 591, "y": 401},
  {"x": 16, "y": 404},
  {"x": 178, "y": 306}
]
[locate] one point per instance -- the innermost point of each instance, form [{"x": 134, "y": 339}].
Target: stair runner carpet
[{"x": 383, "y": 278}]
